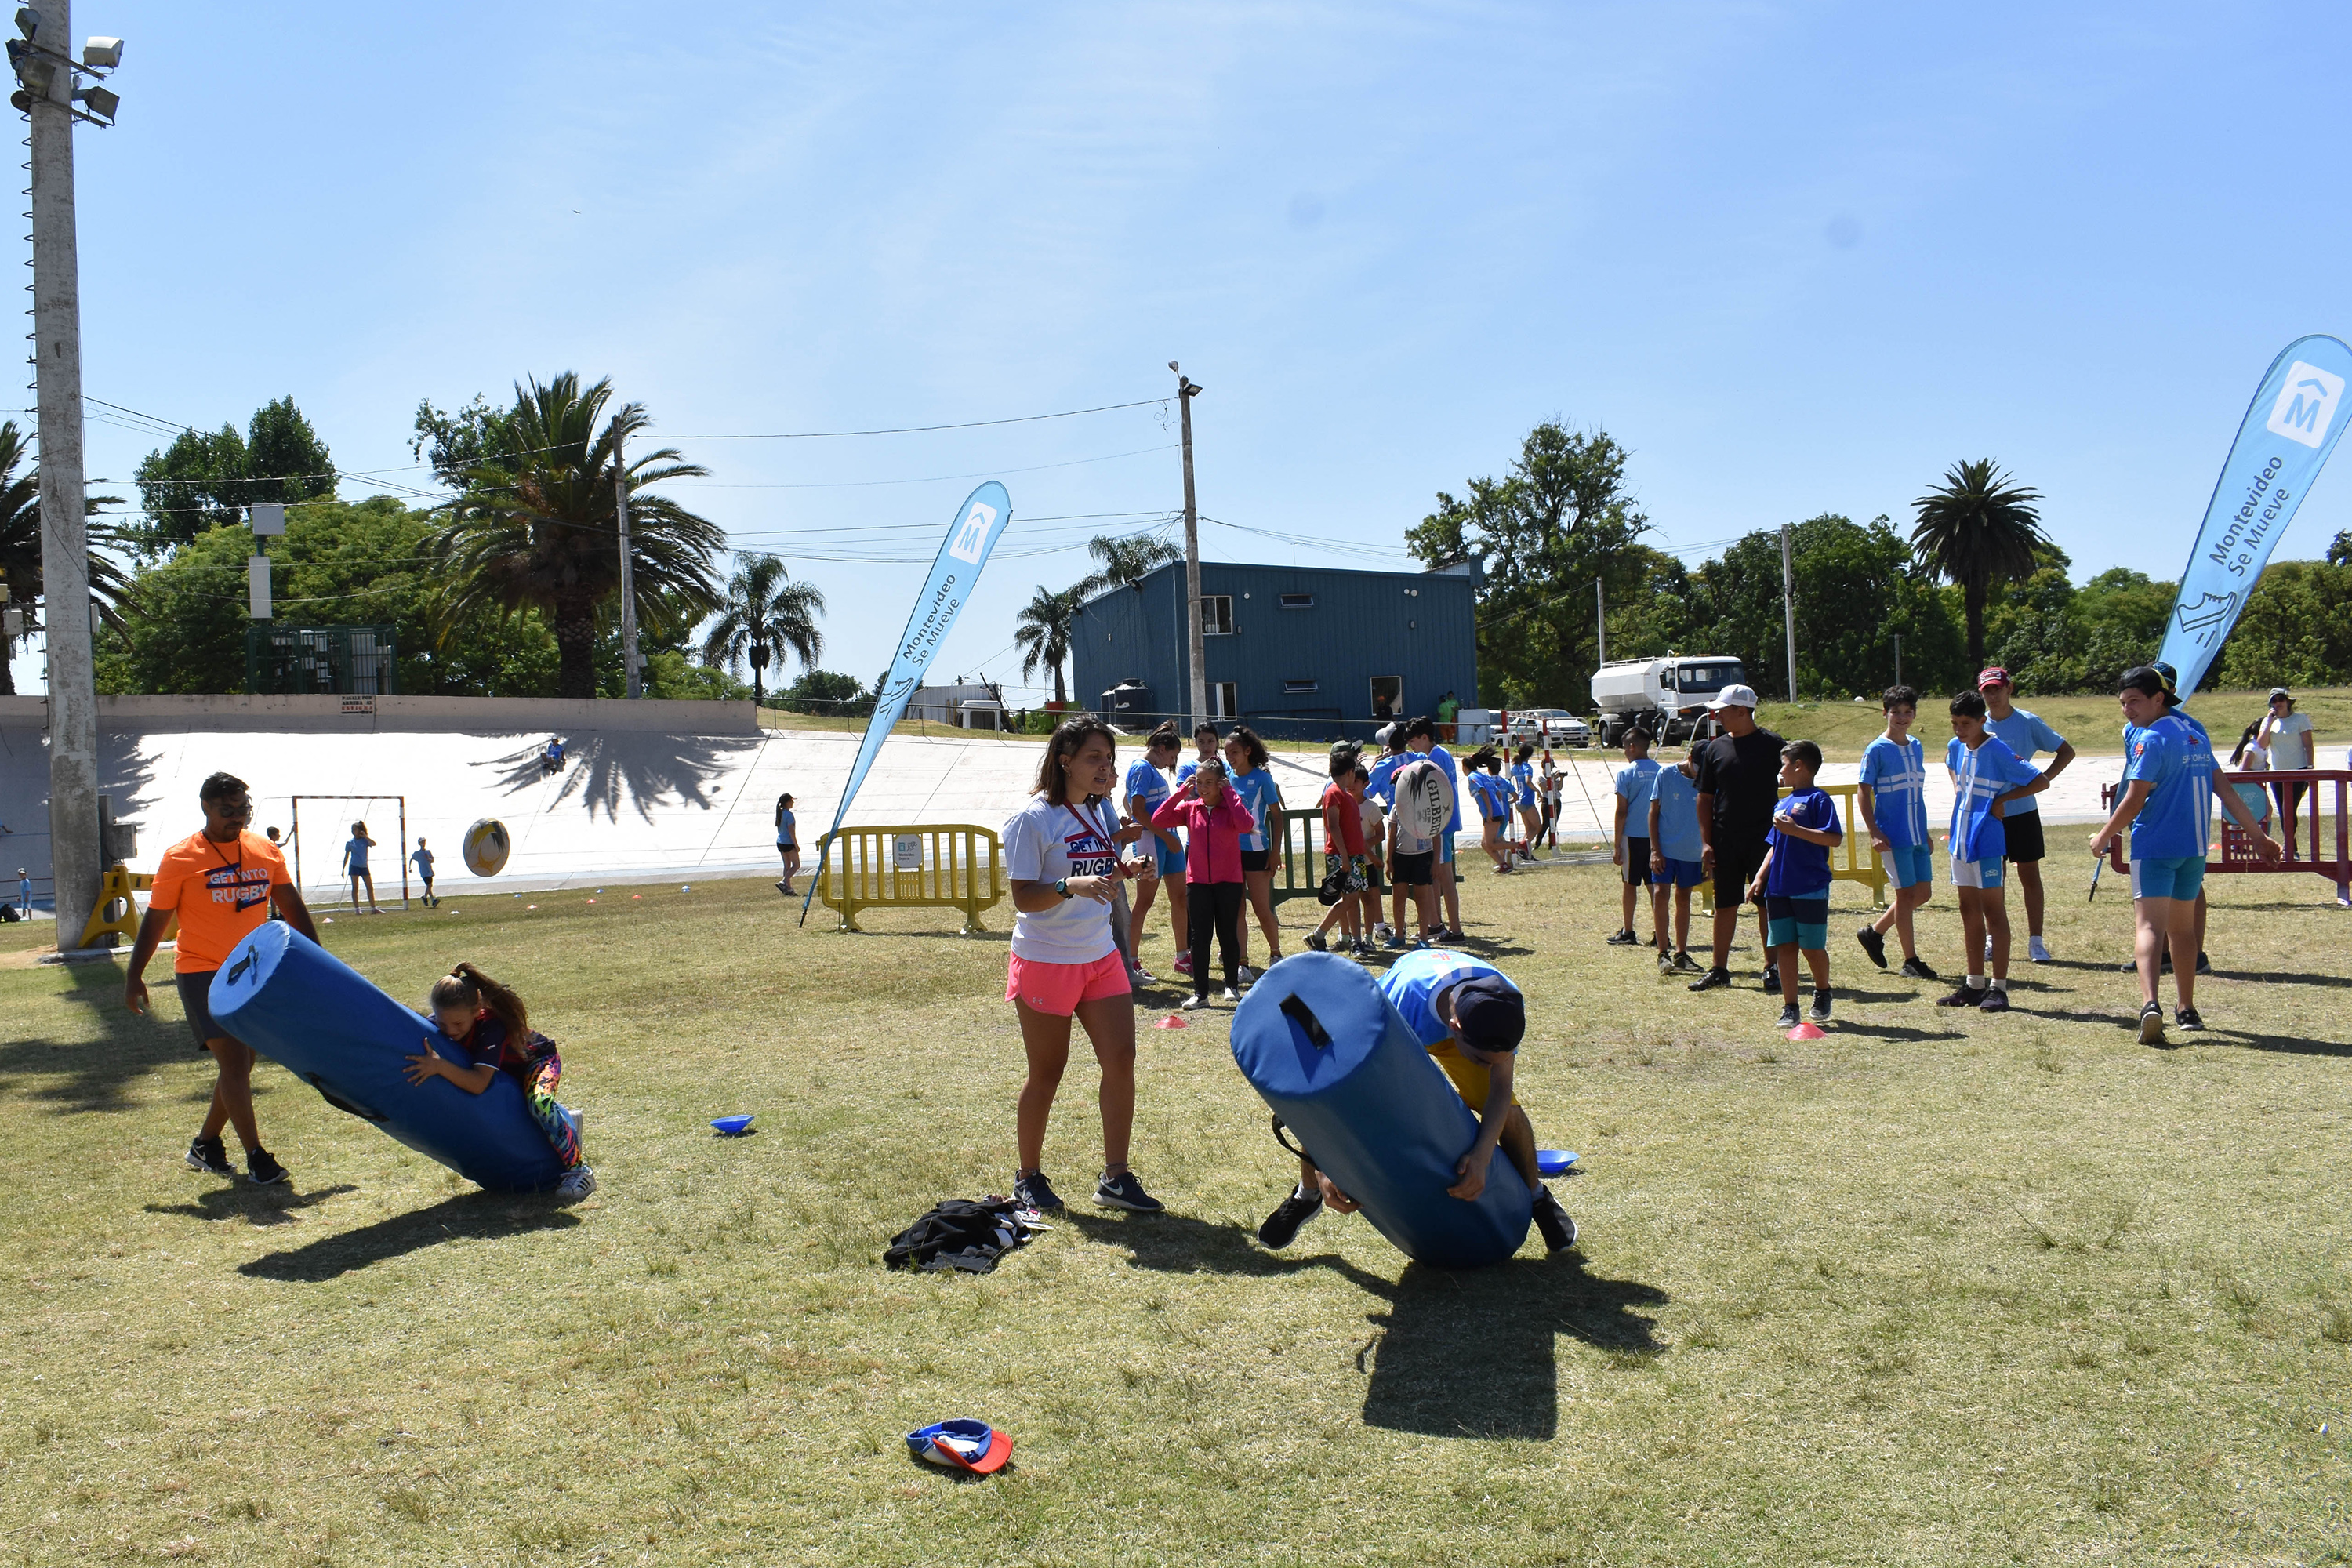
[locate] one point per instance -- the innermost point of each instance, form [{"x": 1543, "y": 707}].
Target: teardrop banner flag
[
  {"x": 2288, "y": 431},
  {"x": 978, "y": 524}
]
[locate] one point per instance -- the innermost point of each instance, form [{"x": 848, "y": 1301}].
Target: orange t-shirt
[{"x": 220, "y": 893}]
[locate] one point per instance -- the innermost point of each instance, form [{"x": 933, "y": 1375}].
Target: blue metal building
[{"x": 1300, "y": 652}]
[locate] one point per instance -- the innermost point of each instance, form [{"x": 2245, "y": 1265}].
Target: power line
[{"x": 919, "y": 429}]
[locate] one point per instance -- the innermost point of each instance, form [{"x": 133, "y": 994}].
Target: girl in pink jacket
[{"x": 1215, "y": 819}]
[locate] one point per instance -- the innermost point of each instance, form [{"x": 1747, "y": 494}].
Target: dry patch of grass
[{"x": 1929, "y": 1290}]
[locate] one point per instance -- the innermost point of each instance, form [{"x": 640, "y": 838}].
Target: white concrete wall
[{"x": 231, "y": 712}]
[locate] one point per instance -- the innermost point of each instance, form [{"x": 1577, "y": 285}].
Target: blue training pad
[
  {"x": 1323, "y": 1047},
  {"x": 325, "y": 1023}
]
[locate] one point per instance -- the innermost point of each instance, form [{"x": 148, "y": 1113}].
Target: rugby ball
[
  {"x": 1425, "y": 799},
  {"x": 486, "y": 846}
]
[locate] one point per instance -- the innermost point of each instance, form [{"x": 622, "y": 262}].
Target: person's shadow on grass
[
  {"x": 259, "y": 1205},
  {"x": 475, "y": 1217},
  {"x": 1459, "y": 1353}
]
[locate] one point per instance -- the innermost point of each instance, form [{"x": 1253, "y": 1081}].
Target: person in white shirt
[
  {"x": 1062, "y": 858},
  {"x": 2288, "y": 745}
]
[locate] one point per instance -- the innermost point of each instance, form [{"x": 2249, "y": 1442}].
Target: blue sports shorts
[
  {"x": 1910, "y": 864},
  {"x": 1677, "y": 874},
  {"x": 1976, "y": 873},
  {"x": 2173, "y": 876},
  {"x": 1804, "y": 922},
  {"x": 1445, "y": 849},
  {"x": 1168, "y": 862}
]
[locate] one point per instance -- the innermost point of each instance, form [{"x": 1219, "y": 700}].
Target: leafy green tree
[
  {"x": 2339, "y": 550},
  {"x": 1560, "y": 519},
  {"x": 1042, "y": 630},
  {"x": 205, "y": 481},
  {"x": 828, "y": 691},
  {"x": 534, "y": 528},
  {"x": 1126, "y": 560},
  {"x": 2296, "y": 630},
  {"x": 2127, "y": 602},
  {"x": 20, "y": 546},
  {"x": 765, "y": 615},
  {"x": 1978, "y": 529}
]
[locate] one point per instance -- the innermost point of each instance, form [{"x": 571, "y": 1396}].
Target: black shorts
[
  {"x": 1636, "y": 869},
  {"x": 2025, "y": 836},
  {"x": 1371, "y": 864},
  {"x": 1736, "y": 856},
  {"x": 1416, "y": 870},
  {"x": 195, "y": 992},
  {"x": 1257, "y": 859}
]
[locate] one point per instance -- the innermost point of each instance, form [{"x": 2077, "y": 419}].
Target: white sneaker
[
  {"x": 1243, "y": 973},
  {"x": 1194, "y": 1004},
  {"x": 578, "y": 1182},
  {"x": 1139, "y": 976},
  {"x": 2035, "y": 951},
  {"x": 1232, "y": 995}
]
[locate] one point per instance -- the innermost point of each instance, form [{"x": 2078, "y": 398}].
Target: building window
[
  {"x": 1388, "y": 696},
  {"x": 1298, "y": 601},
  {"x": 1305, "y": 688},
  {"x": 1216, "y": 615},
  {"x": 1224, "y": 700}
]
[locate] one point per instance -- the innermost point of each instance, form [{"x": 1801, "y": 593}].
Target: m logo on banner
[
  {"x": 968, "y": 539},
  {"x": 2307, "y": 404}
]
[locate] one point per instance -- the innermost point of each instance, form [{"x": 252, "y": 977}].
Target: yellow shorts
[{"x": 1471, "y": 1080}]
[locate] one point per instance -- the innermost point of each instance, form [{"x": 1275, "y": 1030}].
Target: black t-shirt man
[{"x": 1743, "y": 773}]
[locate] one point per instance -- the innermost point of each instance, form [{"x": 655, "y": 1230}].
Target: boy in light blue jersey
[
  {"x": 2168, "y": 803},
  {"x": 1378, "y": 784},
  {"x": 2025, "y": 734},
  {"x": 1986, "y": 777},
  {"x": 1893, "y": 802},
  {"x": 1146, "y": 787},
  {"x": 1793, "y": 883},
  {"x": 1636, "y": 782},
  {"x": 1421, "y": 735},
  {"x": 1675, "y": 848}
]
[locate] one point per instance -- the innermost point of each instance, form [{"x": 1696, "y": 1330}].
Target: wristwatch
[{"x": 1063, "y": 886}]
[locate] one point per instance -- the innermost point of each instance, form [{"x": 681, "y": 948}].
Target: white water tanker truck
[{"x": 1667, "y": 697}]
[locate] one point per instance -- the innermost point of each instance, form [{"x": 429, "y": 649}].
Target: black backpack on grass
[{"x": 960, "y": 1234}]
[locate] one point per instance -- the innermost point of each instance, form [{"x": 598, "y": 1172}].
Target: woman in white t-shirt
[
  {"x": 2288, "y": 746},
  {"x": 1061, "y": 857}
]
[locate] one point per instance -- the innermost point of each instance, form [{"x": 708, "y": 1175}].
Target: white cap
[{"x": 1733, "y": 697}]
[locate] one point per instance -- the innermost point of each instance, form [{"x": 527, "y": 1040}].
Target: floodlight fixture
[
  {"x": 100, "y": 103},
  {"x": 268, "y": 520},
  {"x": 102, "y": 54},
  {"x": 29, "y": 21}
]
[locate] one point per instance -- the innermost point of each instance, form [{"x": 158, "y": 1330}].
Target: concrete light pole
[
  {"x": 1789, "y": 611},
  {"x": 1185, "y": 392},
  {"x": 628, "y": 574}
]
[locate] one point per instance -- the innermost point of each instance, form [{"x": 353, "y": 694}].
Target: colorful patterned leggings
[{"x": 541, "y": 1094}]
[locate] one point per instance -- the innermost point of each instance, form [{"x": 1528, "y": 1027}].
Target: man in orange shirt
[{"x": 220, "y": 882}]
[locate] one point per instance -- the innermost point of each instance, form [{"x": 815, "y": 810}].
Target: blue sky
[{"x": 1797, "y": 258}]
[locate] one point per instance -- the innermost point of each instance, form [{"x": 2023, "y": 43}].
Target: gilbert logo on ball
[{"x": 486, "y": 846}]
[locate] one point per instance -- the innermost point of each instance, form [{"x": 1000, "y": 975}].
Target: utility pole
[
  {"x": 45, "y": 67},
  {"x": 1789, "y": 611},
  {"x": 1185, "y": 392},
  {"x": 1898, "y": 659},
  {"x": 629, "y": 573},
  {"x": 1600, "y": 620}
]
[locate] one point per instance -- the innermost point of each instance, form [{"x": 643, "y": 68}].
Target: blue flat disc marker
[
  {"x": 1554, "y": 1162},
  {"x": 735, "y": 1126}
]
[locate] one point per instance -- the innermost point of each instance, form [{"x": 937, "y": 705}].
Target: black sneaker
[
  {"x": 2187, "y": 1019},
  {"x": 1559, "y": 1230},
  {"x": 1966, "y": 996},
  {"x": 1711, "y": 978},
  {"x": 1686, "y": 963},
  {"x": 1316, "y": 944},
  {"x": 1624, "y": 938},
  {"x": 1771, "y": 977},
  {"x": 1282, "y": 1226},
  {"x": 1034, "y": 1192},
  {"x": 210, "y": 1157},
  {"x": 1789, "y": 1019},
  {"x": 2152, "y": 1024},
  {"x": 1454, "y": 933},
  {"x": 1873, "y": 943},
  {"x": 2204, "y": 965},
  {"x": 1821, "y": 1008},
  {"x": 1918, "y": 969},
  {"x": 1996, "y": 1000},
  {"x": 262, "y": 1169},
  {"x": 1124, "y": 1192}
]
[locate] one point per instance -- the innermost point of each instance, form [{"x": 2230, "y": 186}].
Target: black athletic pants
[{"x": 1218, "y": 904}]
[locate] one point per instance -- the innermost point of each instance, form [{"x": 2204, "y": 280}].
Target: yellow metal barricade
[
  {"x": 1855, "y": 861},
  {"x": 951, "y": 868},
  {"x": 117, "y": 915}
]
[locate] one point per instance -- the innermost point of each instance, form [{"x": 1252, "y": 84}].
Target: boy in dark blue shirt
[{"x": 1793, "y": 883}]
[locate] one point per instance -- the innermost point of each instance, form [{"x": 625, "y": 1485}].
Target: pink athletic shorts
[{"x": 1058, "y": 988}]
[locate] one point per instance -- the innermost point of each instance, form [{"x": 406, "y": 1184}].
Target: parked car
[{"x": 1549, "y": 727}]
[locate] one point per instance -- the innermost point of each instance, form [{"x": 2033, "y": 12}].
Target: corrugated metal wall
[{"x": 1418, "y": 626}]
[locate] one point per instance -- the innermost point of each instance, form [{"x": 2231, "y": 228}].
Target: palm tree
[
  {"x": 535, "y": 528},
  {"x": 765, "y": 612},
  {"x": 1978, "y": 529},
  {"x": 1126, "y": 559},
  {"x": 20, "y": 546},
  {"x": 1042, "y": 633}
]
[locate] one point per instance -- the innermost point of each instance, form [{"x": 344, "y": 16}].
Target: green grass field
[
  {"x": 1940, "y": 1289},
  {"x": 1842, "y": 729}
]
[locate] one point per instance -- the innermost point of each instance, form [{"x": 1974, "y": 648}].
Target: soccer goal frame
[{"x": 296, "y": 836}]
